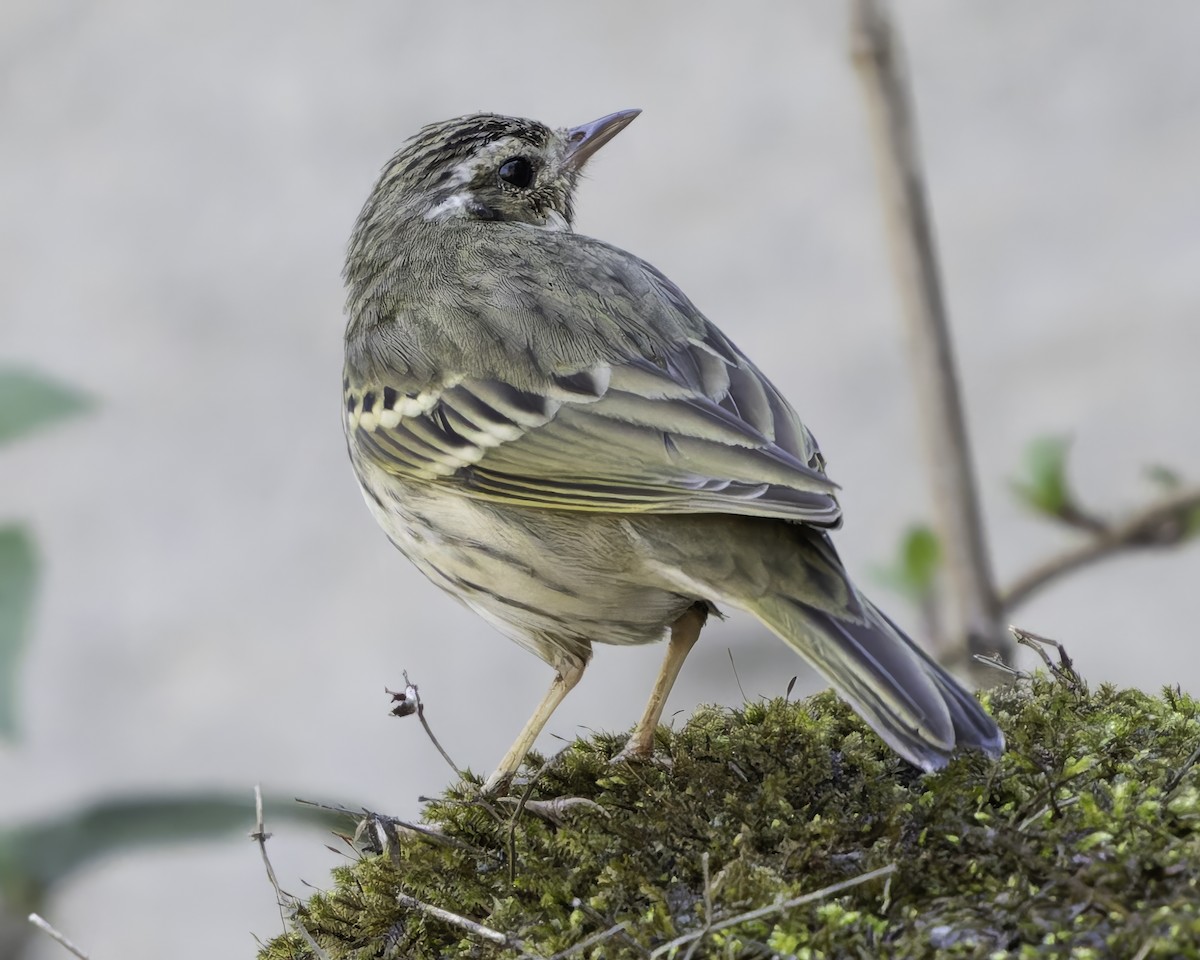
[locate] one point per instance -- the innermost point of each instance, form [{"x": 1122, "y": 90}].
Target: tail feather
[
  {"x": 790, "y": 577},
  {"x": 915, "y": 707},
  {"x": 973, "y": 727}
]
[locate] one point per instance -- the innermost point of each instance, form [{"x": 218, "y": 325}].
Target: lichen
[{"x": 1082, "y": 841}]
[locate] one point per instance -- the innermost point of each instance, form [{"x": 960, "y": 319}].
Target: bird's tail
[
  {"x": 914, "y": 705},
  {"x": 794, "y": 582}
]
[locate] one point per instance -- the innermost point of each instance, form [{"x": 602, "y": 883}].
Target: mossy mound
[{"x": 1083, "y": 841}]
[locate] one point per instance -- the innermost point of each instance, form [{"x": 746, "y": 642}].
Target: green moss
[{"x": 1083, "y": 841}]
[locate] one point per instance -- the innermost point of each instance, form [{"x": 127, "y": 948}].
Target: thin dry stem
[
  {"x": 409, "y": 700},
  {"x": 1176, "y": 778},
  {"x": 595, "y": 938},
  {"x": 286, "y": 902},
  {"x": 463, "y": 923},
  {"x": 878, "y": 61},
  {"x": 46, "y": 928},
  {"x": 780, "y": 907}
]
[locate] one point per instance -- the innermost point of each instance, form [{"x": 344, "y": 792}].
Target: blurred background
[{"x": 217, "y": 608}]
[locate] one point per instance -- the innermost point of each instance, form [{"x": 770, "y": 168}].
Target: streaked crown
[{"x": 487, "y": 167}]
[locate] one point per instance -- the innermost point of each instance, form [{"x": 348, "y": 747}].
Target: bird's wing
[{"x": 698, "y": 429}]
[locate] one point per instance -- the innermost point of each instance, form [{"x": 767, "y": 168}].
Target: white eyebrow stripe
[{"x": 448, "y": 207}]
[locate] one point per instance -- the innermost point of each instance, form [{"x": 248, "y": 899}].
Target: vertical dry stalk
[{"x": 977, "y": 614}]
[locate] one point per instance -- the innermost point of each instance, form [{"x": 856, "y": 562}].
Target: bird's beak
[{"x": 583, "y": 141}]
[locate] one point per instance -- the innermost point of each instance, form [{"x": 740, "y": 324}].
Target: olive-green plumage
[{"x": 551, "y": 431}]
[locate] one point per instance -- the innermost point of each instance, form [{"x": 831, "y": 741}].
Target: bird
[{"x": 551, "y": 431}]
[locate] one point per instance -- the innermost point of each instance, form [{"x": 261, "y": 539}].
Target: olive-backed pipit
[{"x": 551, "y": 431}]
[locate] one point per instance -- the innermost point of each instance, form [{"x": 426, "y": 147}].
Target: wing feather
[
  {"x": 701, "y": 432},
  {"x": 619, "y": 396}
]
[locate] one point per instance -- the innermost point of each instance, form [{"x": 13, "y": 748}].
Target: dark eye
[{"x": 518, "y": 171}]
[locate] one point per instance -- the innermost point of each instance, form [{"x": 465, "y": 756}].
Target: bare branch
[
  {"x": 591, "y": 941},
  {"x": 1161, "y": 524},
  {"x": 822, "y": 894},
  {"x": 409, "y": 700},
  {"x": 555, "y": 811},
  {"x": 617, "y": 930},
  {"x": 463, "y": 923},
  {"x": 708, "y": 909},
  {"x": 878, "y": 61},
  {"x": 1176, "y": 778},
  {"x": 287, "y": 903},
  {"x": 44, "y": 925},
  {"x": 511, "y": 839}
]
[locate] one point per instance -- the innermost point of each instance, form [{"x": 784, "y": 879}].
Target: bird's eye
[{"x": 518, "y": 171}]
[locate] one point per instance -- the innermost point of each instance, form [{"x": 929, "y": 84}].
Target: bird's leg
[
  {"x": 565, "y": 678},
  {"x": 684, "y": 633}
]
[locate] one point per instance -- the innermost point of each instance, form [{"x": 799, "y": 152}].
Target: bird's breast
[{"x": 554, "y": 581}]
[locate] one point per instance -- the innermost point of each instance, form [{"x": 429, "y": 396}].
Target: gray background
[{"x": 177, "y": 181}]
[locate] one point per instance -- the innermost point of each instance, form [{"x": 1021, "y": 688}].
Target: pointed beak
[{"x": 585, "y": 140}]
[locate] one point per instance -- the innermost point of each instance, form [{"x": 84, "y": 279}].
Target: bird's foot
[
  {"x": 641, "y": 750},
  {"x": 497, "y": 784}
]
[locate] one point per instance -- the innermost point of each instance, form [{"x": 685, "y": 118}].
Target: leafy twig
[
  {"x": 877, "y": 59},
  {"x": 1164, "y": 523}
]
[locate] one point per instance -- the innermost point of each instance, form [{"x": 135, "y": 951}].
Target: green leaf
[
  {"x": 1043, "y": 487},
  {"x": 915, "y": 569},
  {"x": 1163, "y": 477},
  {"x": 1170, "y": 481},
  {"x": 29, "y": 401},
  {"x": 18, "y": 580},
  {"x": 36, "y": 856},
  {"x": 922, "y": 557},
  {"x": 1191, "y": 524}
]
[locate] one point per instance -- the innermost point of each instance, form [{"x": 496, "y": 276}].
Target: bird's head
[{"x": 488, "y": 167}]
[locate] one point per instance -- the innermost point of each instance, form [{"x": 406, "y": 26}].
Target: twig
[
  {"x": 1064, "y": 670},
  {"x": 44, "y": 925},
  {"x": 260, "y": 836},
  {"x": 1177, "y": 777},
  {"x": 994, "y": 662},
  {"x": 591, "y": 941},
  {"x": 708, "y": 910},
  {"x": 1058, "y": 808},
  {"x": 463, "y": 923},
  {"x": 878, "y": 61},
  {"x": 554, "y": 811},
  {"x": 620, "y": 930},
  {"x": 409, "y": 700},
  {"x": 364, "y": 818},
  {"x": 285, "y": 901},
  {"x": 511, "y": 839},
  {"x": 1144, "y": 950},
  {"x": 775, "y": 908},
  {"x": 1164, "y": 523},
  {"x": 736, "y": 678}
]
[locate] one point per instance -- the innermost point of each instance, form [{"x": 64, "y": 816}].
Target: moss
[{"x": 1083, "y": 841}]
